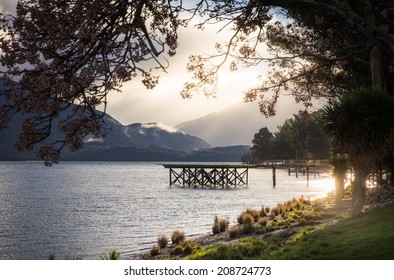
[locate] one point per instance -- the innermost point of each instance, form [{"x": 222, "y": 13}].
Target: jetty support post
[
  {"x": 247, "y": 176},
  {"x": 274, "y": 176},
  {"x": 307, "y": 175},
  {"x": 170, "y": 169}
]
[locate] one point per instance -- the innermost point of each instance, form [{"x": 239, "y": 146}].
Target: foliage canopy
[
  {"x": 300, "y": 137},
  {"x": 89, "y": 48}
]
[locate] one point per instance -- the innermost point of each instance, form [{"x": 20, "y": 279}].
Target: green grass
[
  {"x": 369, "y": 236},
  {"x": 246, "y": 248},
  {"x": 112, "y": 255}
]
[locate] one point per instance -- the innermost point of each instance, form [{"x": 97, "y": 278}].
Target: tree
[
  {"x": 319, "y": 49},
  {"x": 361, "y": 122},
  {"x": 304, "y": 136},
  {"x": 88, "y": 48},
  {"x": 339, "y": 173},
  {"x": 262, "y": 145},
  {"x": 58, "y": 54},
  {"x": 300, "y": 137}
]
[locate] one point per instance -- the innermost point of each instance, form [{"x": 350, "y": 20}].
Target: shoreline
[{"x": 327, "y": 204}]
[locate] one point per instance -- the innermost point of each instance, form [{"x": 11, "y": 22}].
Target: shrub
[
  {"x": 178, "y": 250},
  {"x": 155, "y": 250},
  {"x": 274, "y": 212},
  {"x": 233, "y": 232},
  {"x": 304, "y": 201},
  {"x": 188, "y": 247},
  {"x": 262, "y": 211},
  {"x": 223, "y": 225},
  {"x": 263, "y": 221},
  {"x": 247, "y": 228},
  {"x": 254, "y": 213},
  {"x": 216, "y": 228},
  {"x": 282, "y": 209},
  {"x": 240, "y": 219},
  {"x": 162, "y": 241},
  {"x": 247, "y": 219},
  {"x": 177, "y": 237}
]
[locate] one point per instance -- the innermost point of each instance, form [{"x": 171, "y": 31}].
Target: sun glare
[{"x": 324, "y": 185}]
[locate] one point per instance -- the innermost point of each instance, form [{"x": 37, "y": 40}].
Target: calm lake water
[{"x": 84, "y": 209}]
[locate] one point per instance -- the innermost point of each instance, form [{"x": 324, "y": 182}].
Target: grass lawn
[{"x": 370, "y": 236}]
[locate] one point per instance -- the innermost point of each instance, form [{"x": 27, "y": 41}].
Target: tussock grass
[
  {"x": 223, "y": 225},
  {"x": 219, "y": 225},
  {"x": 233, "y": 232},
  {"x": 177, "y": 237},
  {"x": 155, "y": 250},
  {"x": 112, "y": 255},
  {"x": 369, "y": 236},
  {"x": 162, "y": 241},
  {"x": 178, "y": 250}
]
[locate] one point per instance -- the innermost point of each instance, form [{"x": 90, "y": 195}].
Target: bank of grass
[{"x": 369, "y": 236}]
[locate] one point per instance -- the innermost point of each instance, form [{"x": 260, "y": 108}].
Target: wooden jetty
[
  {"x": 228, "y": 175},
  {"x": 203, "y": 175}
]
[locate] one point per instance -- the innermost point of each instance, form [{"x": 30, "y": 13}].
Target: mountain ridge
[{"x": 135, "y": 141}]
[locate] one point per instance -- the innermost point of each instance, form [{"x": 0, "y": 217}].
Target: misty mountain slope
[
  {"x": 158, "y": 135},
  {"x": 135, "y": 136},
  {"x": 235, "y": 125}
]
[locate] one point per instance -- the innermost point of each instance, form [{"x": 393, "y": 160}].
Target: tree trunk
[
  {"x": 375, "y": 58},
  {"x": 376, "y": 67},
  {"x": 359, "y": 191},
  {"x": 339, "y": 185}
]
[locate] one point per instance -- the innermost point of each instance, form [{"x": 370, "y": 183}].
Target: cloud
[{"x": 8, "y": 6}]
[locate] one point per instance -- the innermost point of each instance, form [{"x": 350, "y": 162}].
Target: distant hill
[
  {"x": 225, "y": 154},
  {"x": 235, "y": 125},
  {"x": 134, "y": 142},
  {"x": 134, "y": 137}
]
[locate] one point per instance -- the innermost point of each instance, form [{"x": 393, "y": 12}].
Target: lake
[{"x": 85, "y": 209}]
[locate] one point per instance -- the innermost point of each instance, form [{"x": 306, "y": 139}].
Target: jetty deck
[{"x": 232, "y": 175}]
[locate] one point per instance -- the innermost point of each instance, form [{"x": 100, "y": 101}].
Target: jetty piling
[{"x": 274, "y": 176}]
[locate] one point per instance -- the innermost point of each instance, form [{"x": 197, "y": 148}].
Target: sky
[{"x": 164, "y": 103}]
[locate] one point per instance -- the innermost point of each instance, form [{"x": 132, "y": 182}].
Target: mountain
[
  {"x": 235, "y": 125},
  {"x": 145, "y": 135},
  {"x": 134, "y": 142},
  {"x": 136, "y": 137}
]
